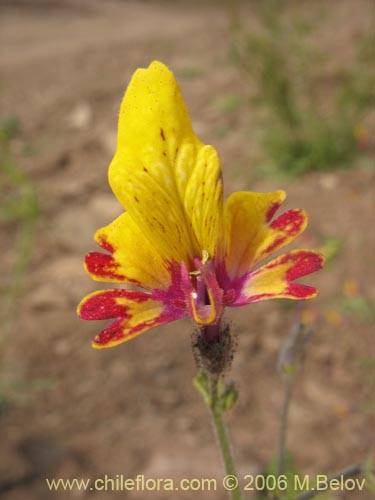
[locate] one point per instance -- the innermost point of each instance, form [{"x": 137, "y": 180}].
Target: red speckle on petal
[
  {"x": 113, "y": 333},
  {"x": 102, "y": 265},
  {"x": 104, "y": 305},
  {"x": 304, "y": 262},
  {"x": 102, "y": 241},
  {"x": 272, "y": 210},
  {"x": 278, "y": 241},
  {"x": 290, "y": 222},
  {"x": 301, "y": 291}
]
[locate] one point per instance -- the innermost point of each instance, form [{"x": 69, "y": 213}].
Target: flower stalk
[
  {"x": 220, "y": 398},
  {"x": 213, "y": 352},
  {"x": 216, "y": 408}
]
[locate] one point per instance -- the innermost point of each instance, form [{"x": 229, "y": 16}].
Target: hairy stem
[
  {"x": 223, "y": 440},
  {"x": 213, "y": 353}
]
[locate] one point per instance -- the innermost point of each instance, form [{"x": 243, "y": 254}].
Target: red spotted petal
[
  {"x": 275, "y": 279},
  {"x": 136, "y": 313},
  {"x": 282, "y": 231},
  {"x": 106, "y": 304},
  {"x": 104, "y": 267}
]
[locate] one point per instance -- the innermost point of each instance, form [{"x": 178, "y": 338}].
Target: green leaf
[
  {"x": 202, "y": 383},
  {"x": 228, "y": 397}
]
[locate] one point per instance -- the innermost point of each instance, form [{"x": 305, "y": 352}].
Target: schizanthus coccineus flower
[{"x": 184, "y": 249}]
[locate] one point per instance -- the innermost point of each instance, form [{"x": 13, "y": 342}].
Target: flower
[{"x": 184, "y": 251}]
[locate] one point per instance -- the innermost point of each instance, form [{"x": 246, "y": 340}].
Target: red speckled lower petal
[
  {"x": 136, "y": 313},
  {"x": 275, "y": 279},
  {"x": 106, "y": 304}
]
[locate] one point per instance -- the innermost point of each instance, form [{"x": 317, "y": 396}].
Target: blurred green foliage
[
  {"x": 295, "y": 482},
  {"x": 189, "y": 72},
  {"x": 20, "y": 391},
  {"x": 331, "y": 247},
  {"x": 228, "y": 103},
  {"x": 358, "y": 306},
  {"x": 18, "y": 201},
  {"x": 18, "y": 216},
  {"x": 309, "y": 117},
  {"x": 368, "y": 363}
]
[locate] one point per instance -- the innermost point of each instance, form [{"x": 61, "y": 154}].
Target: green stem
[{"x": 223, "y": 440}]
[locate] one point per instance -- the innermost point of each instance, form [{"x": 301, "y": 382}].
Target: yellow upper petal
[
  {"x": 204, "y": 202},
  {"x": 157, "y": 153}
]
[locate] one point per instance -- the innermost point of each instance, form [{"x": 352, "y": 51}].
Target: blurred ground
[{"x": 132, "y": 410}]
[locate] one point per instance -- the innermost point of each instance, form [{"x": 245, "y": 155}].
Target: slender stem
[
  {"x": 287, "y": 390},
  {"x": 223, "y": 441},
  {"x": 351, "y": 471}
]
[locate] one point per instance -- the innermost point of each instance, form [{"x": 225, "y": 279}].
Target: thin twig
[
  {"x": 289, "y": 360},
  {"x": 287, "y": 391},
  {"x": 351, "y": 471}
]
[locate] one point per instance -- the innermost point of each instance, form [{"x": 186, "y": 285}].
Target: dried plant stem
[
  {"x": 222, "y": 437},
  {"x": 351, "y": 471},
  {"x": 290, "y": 359},
  {"x": 287, "y": 391}
]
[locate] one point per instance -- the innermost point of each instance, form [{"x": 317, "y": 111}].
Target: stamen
[
  {"x": 205, "y": 299},
  {"x": 205, "y": 257}
]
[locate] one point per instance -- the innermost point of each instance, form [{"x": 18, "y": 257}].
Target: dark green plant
[
  {"x": 18, "y": 216},
  {"x": 306, "y": 127}
]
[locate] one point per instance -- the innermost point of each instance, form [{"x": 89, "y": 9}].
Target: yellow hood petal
[{"x": 157, "y": 153}]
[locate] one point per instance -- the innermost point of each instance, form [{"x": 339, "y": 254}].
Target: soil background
[{"x": 64, "y": 66}]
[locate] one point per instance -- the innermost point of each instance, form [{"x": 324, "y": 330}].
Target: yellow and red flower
[{"x": 186, "y": 252}]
